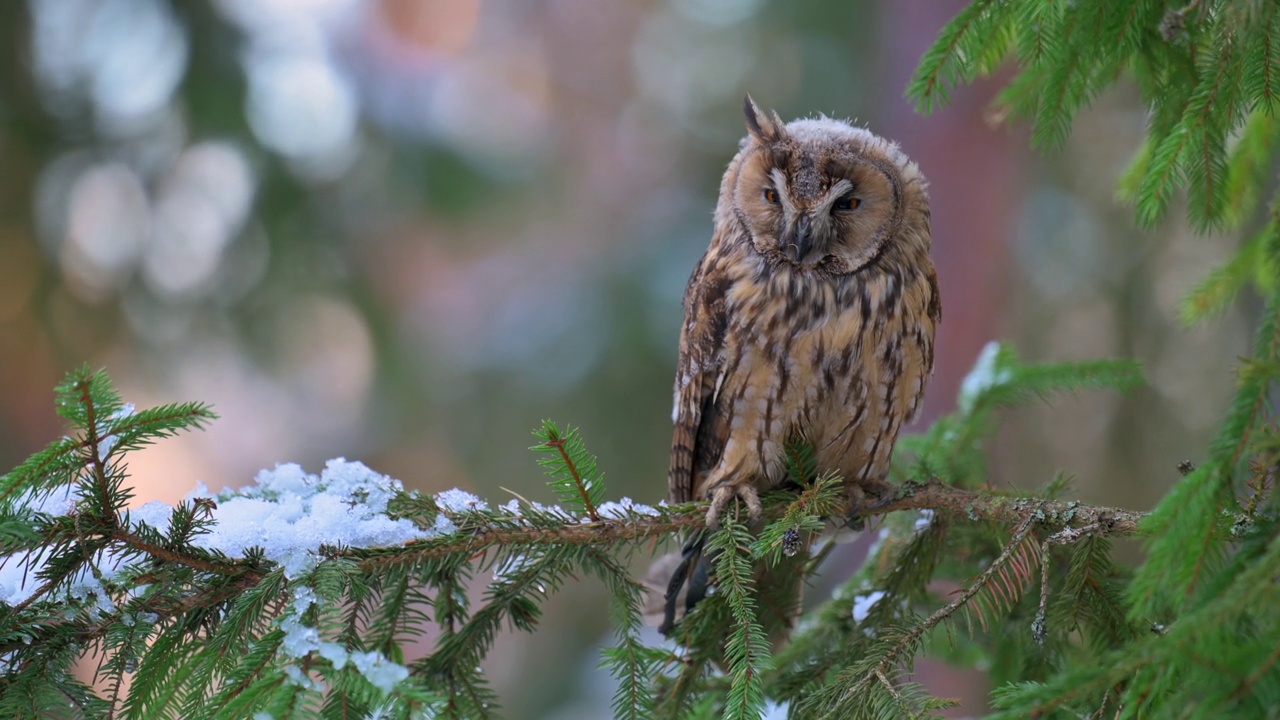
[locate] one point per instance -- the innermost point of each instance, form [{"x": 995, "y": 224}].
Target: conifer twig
[
  {"x": 98, "y": 469},
  {"x": 942, "y": 613},
  {"x": 1065, "y": 536},
  {"x": 162, "y": 553},
  {"x": 558, "y": 443}
]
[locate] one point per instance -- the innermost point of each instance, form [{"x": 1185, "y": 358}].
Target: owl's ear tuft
[{"x": 767, "y": 129}]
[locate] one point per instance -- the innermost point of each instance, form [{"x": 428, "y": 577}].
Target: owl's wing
[
  {"x": 919, "y": 354},
  {"x": 700, "y": 434}
]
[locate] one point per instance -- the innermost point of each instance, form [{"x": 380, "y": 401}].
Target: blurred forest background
[{"x": 404, "y": 231}]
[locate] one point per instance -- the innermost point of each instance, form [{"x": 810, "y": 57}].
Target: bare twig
[{"x": 1065, "y": 536}]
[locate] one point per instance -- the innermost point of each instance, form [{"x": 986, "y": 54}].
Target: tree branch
[
  {"x": 1011, "y": 510},
  {"x": 948, "y": 610},
  {"x": 933, "y": 495},
  {"x": 1054, "y": 515}
]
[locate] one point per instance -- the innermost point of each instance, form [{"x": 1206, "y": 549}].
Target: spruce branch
[
  {"x": 747, "y": 648},
  {"x": 890, "y": 657},
  {"x": 909, "y": 640},
  {"x": 237, "y": 632},
  {"x": 929, "y": 495},
  {"x": 163, "y": 607}
]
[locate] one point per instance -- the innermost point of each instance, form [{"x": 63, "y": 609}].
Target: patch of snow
[
  {"x": 296, "y": 677},
  {"x": 289, "y": 513},
  {"x": 924, "y": 521},
  {"x": 862, "y": 605},
  {"x": 378, "y": 670},
  {"x": 444, "y": 526},
  {"x": 623, "y": 509},
  {"x": 154, "y": 514},
  {"x": 460, "y": 501},
  {"x": 299, "y": 640},
  {"x": 985, "y": 375},
  {"x": 60, "y": 500},
  {"x": 334, "y": 653}
]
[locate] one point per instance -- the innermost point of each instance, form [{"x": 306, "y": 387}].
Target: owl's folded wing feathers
[{"x": 700, "y": 433}]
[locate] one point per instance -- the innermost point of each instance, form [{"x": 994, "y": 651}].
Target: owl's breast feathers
[{"x": 769, "y": 352}]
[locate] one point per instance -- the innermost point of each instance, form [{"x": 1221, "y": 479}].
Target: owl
[{"x": 811, "y": 317}]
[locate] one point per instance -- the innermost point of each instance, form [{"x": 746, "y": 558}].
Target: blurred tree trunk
[{"x": 975, "y": 173}]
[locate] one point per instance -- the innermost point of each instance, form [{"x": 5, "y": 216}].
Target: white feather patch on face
[
  {"x": 834, "y": 193},
  {"x": 784, "y": 193}
]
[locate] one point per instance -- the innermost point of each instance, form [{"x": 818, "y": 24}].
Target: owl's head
[{"x": 824, "y": 194}]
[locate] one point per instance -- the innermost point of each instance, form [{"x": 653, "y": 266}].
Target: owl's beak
[{"x": 800, "y": 242}]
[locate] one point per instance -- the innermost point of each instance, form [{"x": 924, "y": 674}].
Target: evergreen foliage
[
  {"x": 174, "y": 621},
  {"x": 184, "y": 628}
]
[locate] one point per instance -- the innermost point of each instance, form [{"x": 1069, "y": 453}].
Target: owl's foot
[
  {"x": 867, "y": 498},
  {"x": 727, "y": 493}
]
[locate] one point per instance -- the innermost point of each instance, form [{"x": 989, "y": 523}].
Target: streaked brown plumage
[{"x": 811, "y": 315}]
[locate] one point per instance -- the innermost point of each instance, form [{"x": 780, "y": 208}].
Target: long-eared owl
[{"x": 811, "y": 316}]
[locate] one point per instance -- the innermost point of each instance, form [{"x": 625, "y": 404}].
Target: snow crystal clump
[
  {"x": 60, "y": 500},
  {"x": 378, "y": 670},
  {"x": 19, "y": 574},
  {"x": 623, "y": 509},
  {"x": 154, "y": 514},
  {"x": 460, "y": 501},
  {"x": 296, "y": 677},
  {"x": 862, "y": 605},
  {"x": 514, "y": 509},
  {"x": 299, "y": 640},
  {"x": 444, "y": 526},
  {"x": 291, "y": 513},
  {"x": 334, "y": 653}
]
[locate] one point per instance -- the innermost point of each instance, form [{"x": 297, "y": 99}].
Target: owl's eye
[
  {"x": 846, "y": 204},
  {"x": 771, "y": 195}
]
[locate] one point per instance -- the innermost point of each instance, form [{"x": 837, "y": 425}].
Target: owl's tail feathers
[
  {"x": 677, "y": 582},
  {"x": 685, "y": 576}
]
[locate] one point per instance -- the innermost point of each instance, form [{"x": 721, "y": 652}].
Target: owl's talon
[
  {"x": 868, "y": 499},
  {"x": 725, "y": 494}
]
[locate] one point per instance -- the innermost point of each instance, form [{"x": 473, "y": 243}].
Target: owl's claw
[
  {"x": 866, "y": 499},
  {"x": 725, "y": 494}
]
